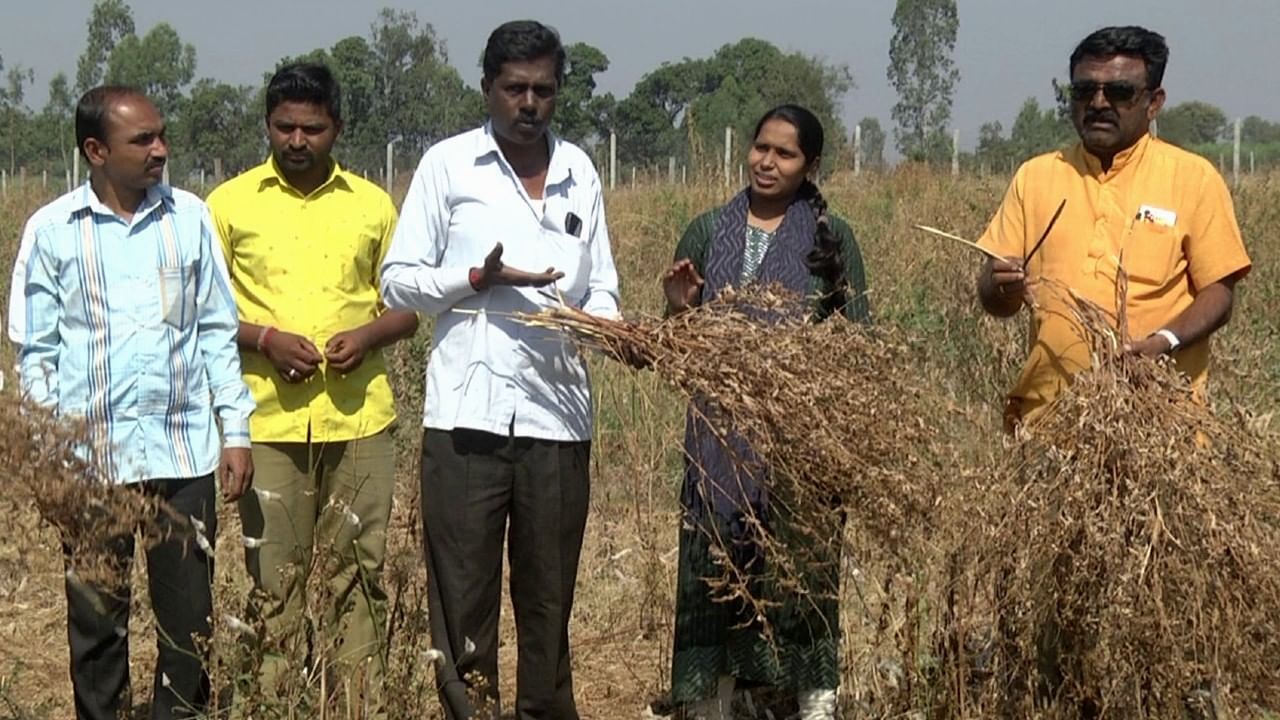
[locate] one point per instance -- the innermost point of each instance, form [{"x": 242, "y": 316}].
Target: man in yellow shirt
[
  {"x": 1128, "y": 201},
  {"x": 304, "y": 241}
]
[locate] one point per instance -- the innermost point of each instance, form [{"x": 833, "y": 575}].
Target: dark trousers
[
  {"x": 476, "y": 488},
  {"x": 178, "y": 576}
]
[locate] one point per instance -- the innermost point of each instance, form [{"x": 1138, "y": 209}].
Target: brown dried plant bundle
[
  {"x": 832, "y": 409},
  {"x": 1133, "y": 542},
  {"x": 50, "y": 470}
]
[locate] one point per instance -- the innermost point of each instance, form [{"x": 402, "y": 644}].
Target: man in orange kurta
[{"x": 1162, "y": 214}]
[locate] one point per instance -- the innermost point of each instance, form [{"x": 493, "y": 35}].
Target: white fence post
[
  {"x": 391, "y": 167},
  {"x": 613, "y": 160},
  {"x": 1235, "y": 153},
  {"x": 955, "y": 152},
  {"x": 728, "y": 150},
  {"x": 857, "y": 149}
]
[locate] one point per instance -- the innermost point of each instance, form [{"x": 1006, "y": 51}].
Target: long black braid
[{"x": 825, "y": 261}]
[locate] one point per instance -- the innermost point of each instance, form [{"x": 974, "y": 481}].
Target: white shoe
[
  {"x": 719, "y": 707},
  {"x": 817, "y": 704}
]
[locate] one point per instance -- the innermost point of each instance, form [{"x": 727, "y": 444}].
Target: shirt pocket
[
  {"x": 1151, "y": 252},
  {"x": 572, "y": 256},
  {"x": 349, "y": 257},
  {"x": 178, "y": 295}
]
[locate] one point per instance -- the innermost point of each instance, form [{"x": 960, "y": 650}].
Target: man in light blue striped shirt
[{"x": 127, "y": 321}]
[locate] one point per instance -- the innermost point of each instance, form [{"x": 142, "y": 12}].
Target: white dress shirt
[{"x": 488, "y": 371}]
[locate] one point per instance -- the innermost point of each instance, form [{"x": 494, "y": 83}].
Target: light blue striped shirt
[{"x": 131, "y": 326}]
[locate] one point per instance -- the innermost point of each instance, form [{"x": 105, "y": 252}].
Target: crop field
[{"x": 623, "y": 617}]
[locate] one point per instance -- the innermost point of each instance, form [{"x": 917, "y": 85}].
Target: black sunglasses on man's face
[{"x": 1116, "y": 92}]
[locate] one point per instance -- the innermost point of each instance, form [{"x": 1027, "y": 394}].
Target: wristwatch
[{"x": 1167, "y": 334}]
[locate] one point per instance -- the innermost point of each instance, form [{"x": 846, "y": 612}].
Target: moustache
[{"x": 1102, "y": 116}]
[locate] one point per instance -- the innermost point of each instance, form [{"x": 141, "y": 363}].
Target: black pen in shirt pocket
[{"x": 573, "y": 225}]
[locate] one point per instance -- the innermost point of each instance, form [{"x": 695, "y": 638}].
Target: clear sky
[{"x": 1225, "y": 52}]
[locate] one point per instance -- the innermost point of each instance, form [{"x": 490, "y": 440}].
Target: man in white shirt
[{"x": 508, "y": 407}]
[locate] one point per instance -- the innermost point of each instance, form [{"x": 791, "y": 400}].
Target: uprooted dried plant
[
  {"x": 831, "y": 409},
  {"x": 1119, "y": 561},
  {"x": 51, "y": 468},
  {"x": 1132, "y": 542}
]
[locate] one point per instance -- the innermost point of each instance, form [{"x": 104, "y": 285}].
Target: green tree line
[
  {"x": 399, "y": 87},
  {"x": 1194, "y": 125}
]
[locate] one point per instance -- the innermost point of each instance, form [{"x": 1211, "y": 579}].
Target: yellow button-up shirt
[
  {"x": 308, "y": 265},
  {"x": 1163, "y": 213}
]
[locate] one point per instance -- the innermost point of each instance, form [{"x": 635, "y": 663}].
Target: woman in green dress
[{"x": 777, "y": 230}]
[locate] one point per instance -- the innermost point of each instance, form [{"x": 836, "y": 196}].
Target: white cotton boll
[
  {"x": 468, "y": 646},
  {"x": 122, "y": 631},
  {"x": 267, "y": 494},
  {"x": 251, "y": 542},
  {"x": 433, "y": 656},
  {"x": 164, "y": 680},
  {"x": 345, "y": 509},
  {"x": 237, "y": 624},
  {"x": 203, "y": 543},
  {"x": 198, "y": 525},
  {"x": 816, "y": 704}
]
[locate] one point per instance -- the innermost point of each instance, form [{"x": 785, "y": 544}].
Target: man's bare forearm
[{"x": 1209, "y": 312}]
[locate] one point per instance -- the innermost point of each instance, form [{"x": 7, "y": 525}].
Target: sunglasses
[{"x": 1116, "y": 92}]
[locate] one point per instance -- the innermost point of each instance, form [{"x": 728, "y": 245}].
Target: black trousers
[
  {"x": 476, "y": 488},
  {"x": 179, "y": 577}
]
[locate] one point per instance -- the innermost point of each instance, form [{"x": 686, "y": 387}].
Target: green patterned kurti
[
  {"x": 719, "y": 638},
  {"x": 758, "y": 242}
]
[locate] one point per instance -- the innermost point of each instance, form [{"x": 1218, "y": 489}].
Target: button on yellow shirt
[
  {"x": 1165, "y": 213},
  {"x": 308, "y": 265}
]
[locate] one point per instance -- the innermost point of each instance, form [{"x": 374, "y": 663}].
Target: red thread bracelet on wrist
[{"x": 267, "y": 332}]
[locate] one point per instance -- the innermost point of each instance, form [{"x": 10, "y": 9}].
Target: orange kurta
[{"x": 1163, "y": 213}]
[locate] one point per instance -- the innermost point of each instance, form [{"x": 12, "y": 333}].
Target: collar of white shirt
[
  {"x": 87, "y": 199},
  {"x": 559, "y": 169}
]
